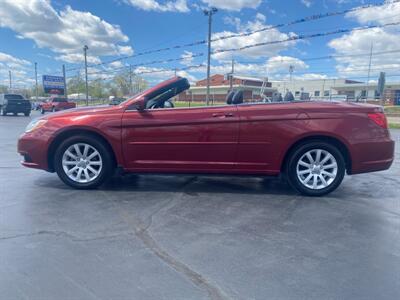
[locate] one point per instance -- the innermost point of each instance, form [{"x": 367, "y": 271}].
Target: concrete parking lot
[{"x": 194, "y": 237}]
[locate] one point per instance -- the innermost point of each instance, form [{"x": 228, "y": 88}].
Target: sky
[{"x": 53, "y": 33}]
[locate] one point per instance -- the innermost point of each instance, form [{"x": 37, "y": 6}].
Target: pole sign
[
  {"x": 381, "y": 83},
  {"x": 53, "y": 84}
]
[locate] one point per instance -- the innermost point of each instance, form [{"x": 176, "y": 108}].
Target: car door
[
  {"x": 181, "y": 139},
  {"x": 265, "y": 131}
]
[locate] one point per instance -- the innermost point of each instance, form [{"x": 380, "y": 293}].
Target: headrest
[
  {"x": 229, "y": 97},
  {"x": 238, "y": 98}
]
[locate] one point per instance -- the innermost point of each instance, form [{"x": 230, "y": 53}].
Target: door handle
[{"x": 223, "y": 115}]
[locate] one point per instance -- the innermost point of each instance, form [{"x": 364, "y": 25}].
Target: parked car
[
  {"x": 313, "y": 143},
  {"x": 15, "y": 104},
  {"x": 56, "y": 104}
]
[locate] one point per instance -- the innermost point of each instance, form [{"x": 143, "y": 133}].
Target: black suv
[{"x": 13, "y": 103}]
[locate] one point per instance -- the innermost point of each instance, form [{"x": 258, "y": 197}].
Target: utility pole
[
  {"x": 9, "y": 78},
  {"x": 65, "y": 82},
  {"x": 232, "y": 72},
  {"x": 209, "y": 12},
  {"x": 291, "y": 70},
  {"x": 369, "y": 70},
  {"x": 85, "y": 49},
  {"x": 130, "y": 80},
  {"x": 36, "y": 83}
]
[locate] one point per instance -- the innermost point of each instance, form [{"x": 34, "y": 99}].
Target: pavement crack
[
  {"x": 140, "y": 229},
  {"x": 197, "y": 279}
]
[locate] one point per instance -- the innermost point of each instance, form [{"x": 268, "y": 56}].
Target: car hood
[{"x": 88, "y": 110}]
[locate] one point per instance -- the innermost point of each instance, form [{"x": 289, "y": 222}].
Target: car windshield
[{"x": 13, "y": 97}]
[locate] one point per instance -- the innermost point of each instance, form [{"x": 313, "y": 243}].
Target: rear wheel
[
  {"x": 15, "y": 114},
  {"x": 27, "y": 114},
  {"x": 316, "y": 168},
  {"x": 83, "y": 162}
]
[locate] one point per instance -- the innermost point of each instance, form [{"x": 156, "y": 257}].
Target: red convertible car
[{"x": 312, "y": 143}]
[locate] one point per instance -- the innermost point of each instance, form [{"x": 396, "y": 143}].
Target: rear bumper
[
  {"x": 17, "y": 109},
  {"x": 372, "y": 156}
]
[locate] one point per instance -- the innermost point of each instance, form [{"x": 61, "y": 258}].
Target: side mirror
[{"x": 139, "y": 105}]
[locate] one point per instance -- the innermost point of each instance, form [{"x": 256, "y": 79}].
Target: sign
[
  {"x": 53, "y": 84},
  {"x": 381, "y": 83}
]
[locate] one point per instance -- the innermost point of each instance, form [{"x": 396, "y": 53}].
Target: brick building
[{"x": 220, "y": 87}]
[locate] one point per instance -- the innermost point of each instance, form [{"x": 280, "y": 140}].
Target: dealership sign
[{"x": 53, "y": 84}]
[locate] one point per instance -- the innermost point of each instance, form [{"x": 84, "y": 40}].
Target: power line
[
  {"x": 147, "y": 64},
  {"x": 202, "y": 42},
  {"x": 302, "y": 37},
  {"x": 159, "y": 71}
]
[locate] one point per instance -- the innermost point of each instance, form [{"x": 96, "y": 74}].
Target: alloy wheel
[
  {"x": 317, "y": 169},
  {"x": 82, "y": 163}
]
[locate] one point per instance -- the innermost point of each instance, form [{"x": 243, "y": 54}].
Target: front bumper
[{"x": 34, "y": 151}]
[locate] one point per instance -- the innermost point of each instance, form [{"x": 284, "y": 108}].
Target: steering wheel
[{"x": 166, "y": 104}]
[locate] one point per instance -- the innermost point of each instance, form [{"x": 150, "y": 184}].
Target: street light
[
  {"x": 85, "y": 49},
  {"x": 209, "y": 12}
]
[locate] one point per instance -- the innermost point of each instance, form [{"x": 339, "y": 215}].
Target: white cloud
[
  {"x": 359, "y": 42},
  {"x": 307, "y": 3},
  {"x": 276, "y": 66},
  {"x": 19, "y": 68},
  {"x": 11, "y": 61},
  {"x": 161, "y": 74},
  {"x": 281, "y": 64},
  {"x": 64, "y": 32},
  {"x": 235, "y": 5},
  {"x": 153, "y": 5},
  {"x": 259, "y": 37},
  {"x": 380, "y": 14},
  {"x": 187, "y": 57},
  {"x": 75, "y": 58}
]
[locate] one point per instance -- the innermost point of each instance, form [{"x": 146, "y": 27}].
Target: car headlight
[{"x": 35, "y": 124}]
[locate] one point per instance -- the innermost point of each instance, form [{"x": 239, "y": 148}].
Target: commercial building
[{"x": 340, "y": 89}]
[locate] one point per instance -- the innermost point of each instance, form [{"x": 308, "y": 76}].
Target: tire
[
  {"x": 315, "y": 177},
  {"x": 27, "y": 114},
  {"x": 101, "y": 162},
  {"x": 42, "y": 111},
  {"x": 15, "y": 114}
]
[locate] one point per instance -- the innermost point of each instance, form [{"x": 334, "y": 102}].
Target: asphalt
[{"x": 194, "y": 237}]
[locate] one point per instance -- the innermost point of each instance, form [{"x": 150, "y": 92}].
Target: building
[
  {"x": 339, "y": 89},
  {"x": 221, "y": 85},
  {"x": 369, "y": 92},
  {"x": 314, "y": 89}
]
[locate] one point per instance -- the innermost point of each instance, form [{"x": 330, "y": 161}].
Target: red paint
[{"x": 243, "y": 139}]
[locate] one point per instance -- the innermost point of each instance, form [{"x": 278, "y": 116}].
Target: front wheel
[
  {"x": 316, "y": 168},
  {"x": 83, "y": 162}
]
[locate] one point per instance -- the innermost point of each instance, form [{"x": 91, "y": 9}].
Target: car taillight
[{"x": 379, "y": 119}]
